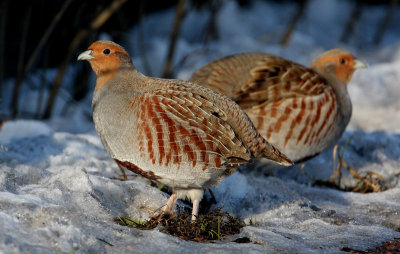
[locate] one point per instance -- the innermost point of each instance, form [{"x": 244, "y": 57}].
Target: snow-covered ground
[{"x": 57, "y": 188}]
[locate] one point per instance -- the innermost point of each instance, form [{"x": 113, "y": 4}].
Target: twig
[
  {"x": 391, "y": 9},
  {"x": 20, "y": 65},
  {"x": 3, "y": 21},
  {"x": 366, "y": 183},
  {"x": 188, "y": 57},
  {"x": 351, "y": 23},
  {"x": 46, "y": 36},
  {"x": 304, "y": 171},
  {"x": 211, "y": 29},
  {"x": 125, "y": 178},
  {"x": 141, "y": 42},
  {"x": 82, "y": 34},
  {"x": 42, "y": 42},
  {"x": 179, "y": 15},
  {"x": 42, "y": 86},
  {"x": 336, "y": 168},
  {"x": 106, "y": 14},
  {"x": 292, "y": 25},
  {"x": 371, "y": 182},
  {"x": 213, "y": 199}
]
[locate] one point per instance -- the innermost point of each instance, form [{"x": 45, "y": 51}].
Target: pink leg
[
  {"x": 195, "y": 210},
  {"x": 169, "y": 206}
]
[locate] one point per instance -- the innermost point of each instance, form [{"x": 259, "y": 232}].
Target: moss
[{"x": 214, "y": 225}]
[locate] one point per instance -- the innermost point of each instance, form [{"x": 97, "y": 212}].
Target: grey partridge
[
  {"x": 185, "y": 136},
  {"x": 300, "y": 110}
]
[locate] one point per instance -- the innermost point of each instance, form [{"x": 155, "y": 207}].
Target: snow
[
  {"x": 373, "y": 90},
  {"x": 58, "y": 191}
]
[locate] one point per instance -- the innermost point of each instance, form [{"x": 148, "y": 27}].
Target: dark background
[{"x": 45, "y": 34}]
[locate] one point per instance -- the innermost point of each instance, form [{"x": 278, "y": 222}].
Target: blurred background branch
[
  {"x": 39, "y": 42},
  {"x": 350, "y": 28},
  {"x": 380, "y": 32},
  {"x": 79, "y": 37},
  {"x": 20, "y": 63},
  {"x": 3, "y": 21},
  {"x": 22, "y": 74},
  {"x": 295, "y": 19},
  {"x": 179, "y": 16}
]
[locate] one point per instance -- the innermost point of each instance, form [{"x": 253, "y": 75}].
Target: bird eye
[
  {"x": 106, "y": 51},
  {"x": 342, "y": 61}
]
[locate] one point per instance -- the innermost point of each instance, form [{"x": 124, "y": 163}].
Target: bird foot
[{"x": 168, "y": 208}]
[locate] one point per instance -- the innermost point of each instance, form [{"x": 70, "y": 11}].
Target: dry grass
[
  {"x": 386, "y": 247},
  {"x": 366, "y": 182},
  {"x": 215, "y": 225}
]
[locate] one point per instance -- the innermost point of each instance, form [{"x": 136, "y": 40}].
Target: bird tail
[
  {"x": 266, "y": 150},
  {"x": 274, "y": 154}
]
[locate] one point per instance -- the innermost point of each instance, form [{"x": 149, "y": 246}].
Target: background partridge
[
  {"x": 185, "y": 136},
  {"x": 300, "y": 110}
]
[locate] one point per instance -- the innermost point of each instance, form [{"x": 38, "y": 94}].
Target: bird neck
[
  {"x": 341, "y": 93},
  {"x": 104, "y": 76}
]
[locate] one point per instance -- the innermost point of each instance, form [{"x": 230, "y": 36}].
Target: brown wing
[
  {"x": 227, "y": 75},
  {"x": 253, "y": 79},
  {"x": 213, "y": 117},
  {"x": 179, "y": 127}
]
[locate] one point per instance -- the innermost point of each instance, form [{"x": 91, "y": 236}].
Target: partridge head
[
  {"x": 185, "y": 136},
  {"x": 300, "y": 110},
  {"x": 338, "y": 63}
]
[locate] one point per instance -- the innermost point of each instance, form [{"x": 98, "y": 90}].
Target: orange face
[
  {"x": 340, "y": 63},
  {"x": 104, "y": 57}
]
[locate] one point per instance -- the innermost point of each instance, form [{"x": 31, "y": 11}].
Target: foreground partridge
[
  {"x": 300, "y": 110},
  {"x": 185, "y": 136}
]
